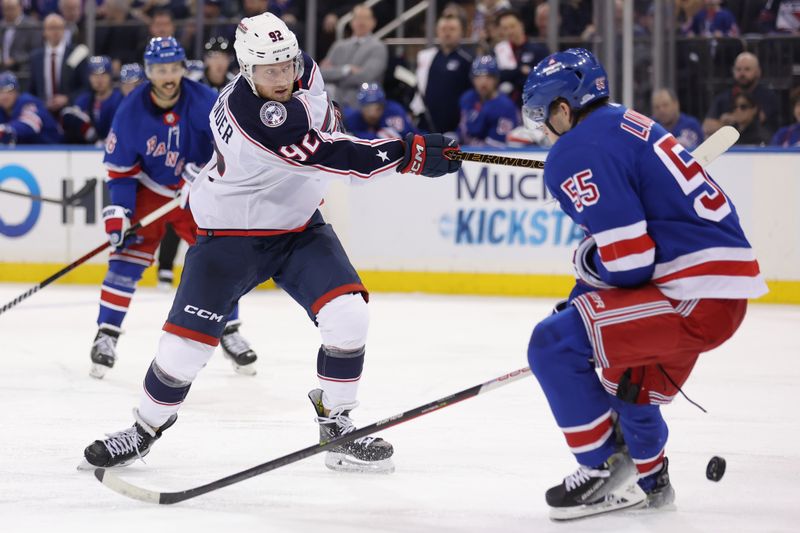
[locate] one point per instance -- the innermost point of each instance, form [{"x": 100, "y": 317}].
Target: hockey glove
[
  {"x": 117, "y": 221},
  {"x": 428, "y": 155},
  {"x": 584, "y": 264}
]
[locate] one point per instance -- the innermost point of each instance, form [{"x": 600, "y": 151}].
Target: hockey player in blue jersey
[
  {"x": 277, "y": 147},
  {"x": 663, "y": 275},
  {"x": 131, "y": 75},
  {"x": 377, "y": 117},
  {"x": 487, "y": 115},
  {"x": 158, "y": 135},
  {"x": 89, "y": 119},
  {"x": 24, "y": 119}
]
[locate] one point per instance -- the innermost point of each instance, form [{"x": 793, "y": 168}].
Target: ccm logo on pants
[{"x": 202, "y": 313}]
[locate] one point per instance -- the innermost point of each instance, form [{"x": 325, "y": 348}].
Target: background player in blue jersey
[
  {"x": 89, "y": 119},
  {"x": 277, "y": 146},
  {"x": 667, "y": 112},
  {"x": 664, "y": 274},
  {"x": 24, "y": 119},
  {"x": 131, "y": 75},
  {"x": 377, "y": 117},
  {"x": 159, "y": 134},
  {"x": 487, "y": 115}
]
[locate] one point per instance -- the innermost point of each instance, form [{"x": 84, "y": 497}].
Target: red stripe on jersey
[
  {"x": 189, "y": 334},
  {"x": 618, "y": 249},
  {"x": 578, "y": 439},
  {"x": 338, "y": 291},
  {"x": 115, "y": 298},
  {"x": 714, "y": 268},
  {"x": 127, "y": 174},
  {"x": 650, "y": 466}
]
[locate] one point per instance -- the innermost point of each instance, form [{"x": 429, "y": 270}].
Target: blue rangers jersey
[
  {"x": 273, "y": 160},
  {"x": 787, "y": 136},
  {"x": 486, "y": 122},
  {"x": 654, "y": 212},
  {"x": 393, "y": 123},
  {"x": 148, "y": 146},
  {"x": 29, "y": 122},
  {"x": 100, "y": 113}
]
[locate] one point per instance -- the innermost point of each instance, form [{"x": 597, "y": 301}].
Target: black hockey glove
[{"x": 428, "y": 155}]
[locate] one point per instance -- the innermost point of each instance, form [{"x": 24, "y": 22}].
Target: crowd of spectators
[{"x": 469, "y": 84}]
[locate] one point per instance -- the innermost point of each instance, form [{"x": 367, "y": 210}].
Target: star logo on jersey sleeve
[{"x": 383, "y": 155}]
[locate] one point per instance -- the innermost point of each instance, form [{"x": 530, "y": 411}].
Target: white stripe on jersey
[{"x": 623, "y": 233}]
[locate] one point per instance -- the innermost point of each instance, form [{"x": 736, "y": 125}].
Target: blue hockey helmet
[
  {"x": 371, "y": 93},
  {"x": 131, "y": 73},
  {"x": 8, "y": 81},
  {"x": 100, "y": 65},
  {"x": 574, "y": 75},
  {"x": 163, "y": 50},
  {"x": 485, "y": 66}
]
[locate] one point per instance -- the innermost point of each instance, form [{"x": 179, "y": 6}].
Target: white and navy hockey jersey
[
  {"x": 273, "y": 160},
  {"x": 654, "y": 212},
  {"x": 148, "y": 146}
]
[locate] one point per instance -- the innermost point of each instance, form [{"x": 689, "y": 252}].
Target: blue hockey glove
[
  {"x": 427, "y": 155},
  {"x": 585, "y": 268}
]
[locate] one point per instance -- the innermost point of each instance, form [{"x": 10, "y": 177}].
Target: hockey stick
[
  {"x": 110, "y": 479},
  {"x": 69, "y": 200},
  {"x": 147, "y": 219},
  {"x": 716, "y": 145},
  {"x": 403, "y": 75}
]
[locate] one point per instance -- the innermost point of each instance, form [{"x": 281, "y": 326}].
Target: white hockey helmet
[{"x": 265, "y": 40}]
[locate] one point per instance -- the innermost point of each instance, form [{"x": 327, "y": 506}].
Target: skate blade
[
  {"x": 98, "y": 371},
  {"x": 245, "y": 370},
  {"x": 630, "y": 497},
  {"x": 341, "y": 462}
]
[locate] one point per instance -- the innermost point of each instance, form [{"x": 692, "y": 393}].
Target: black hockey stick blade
[
  {"x": 110, "y": 479},
  {"x": 492, "y": 159}
]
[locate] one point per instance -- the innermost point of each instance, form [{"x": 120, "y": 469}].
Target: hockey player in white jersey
[{"x": 277, "y": 146}]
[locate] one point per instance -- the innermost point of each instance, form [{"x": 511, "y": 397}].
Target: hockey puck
[{"x": 716, "y": 468}]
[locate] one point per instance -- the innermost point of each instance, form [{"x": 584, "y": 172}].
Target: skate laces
[
  {"x": 582, "y": 475},
  {"x": 105, "y": 344},
  {"x": 235, "y": 343},
  {"x": 345, "y": 425},
  {"x": 123, "y": 442}
]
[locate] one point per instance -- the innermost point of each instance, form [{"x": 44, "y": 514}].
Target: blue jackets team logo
[
  {"x": 11, "y": 172},
  {"x": 273, "y": 114}
]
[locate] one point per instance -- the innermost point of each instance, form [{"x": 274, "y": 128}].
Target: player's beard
[{"x": 165, "y": 93}]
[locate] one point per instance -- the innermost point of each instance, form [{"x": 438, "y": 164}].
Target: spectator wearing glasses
[
  {"x": 745, "y": 117},
  {"x": 747, "y": 79}
]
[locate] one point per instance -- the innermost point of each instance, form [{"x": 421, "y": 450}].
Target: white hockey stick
[{"x": 716, "y": 145}]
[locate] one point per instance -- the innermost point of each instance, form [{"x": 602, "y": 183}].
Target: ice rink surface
[{"x": 481, "y": 465}]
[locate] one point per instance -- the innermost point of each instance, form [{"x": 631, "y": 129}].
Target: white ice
[{"x": 481, "y": 465}]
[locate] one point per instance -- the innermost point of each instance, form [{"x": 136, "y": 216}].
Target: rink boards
[{"x": 489, "y": 230}]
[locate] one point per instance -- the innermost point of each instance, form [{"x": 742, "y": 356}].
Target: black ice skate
[
  {"x": 590, "y": 491},
  {"x": 124, "y": 447},
  {"x": 238, "y": 350},
  {"x": 104, "y": 350},
  {"x": 658, "y": 489},
  {"x": 367, "y": 454}
]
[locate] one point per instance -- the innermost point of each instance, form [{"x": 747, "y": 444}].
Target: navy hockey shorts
[{"x": 310, "y": 265}]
